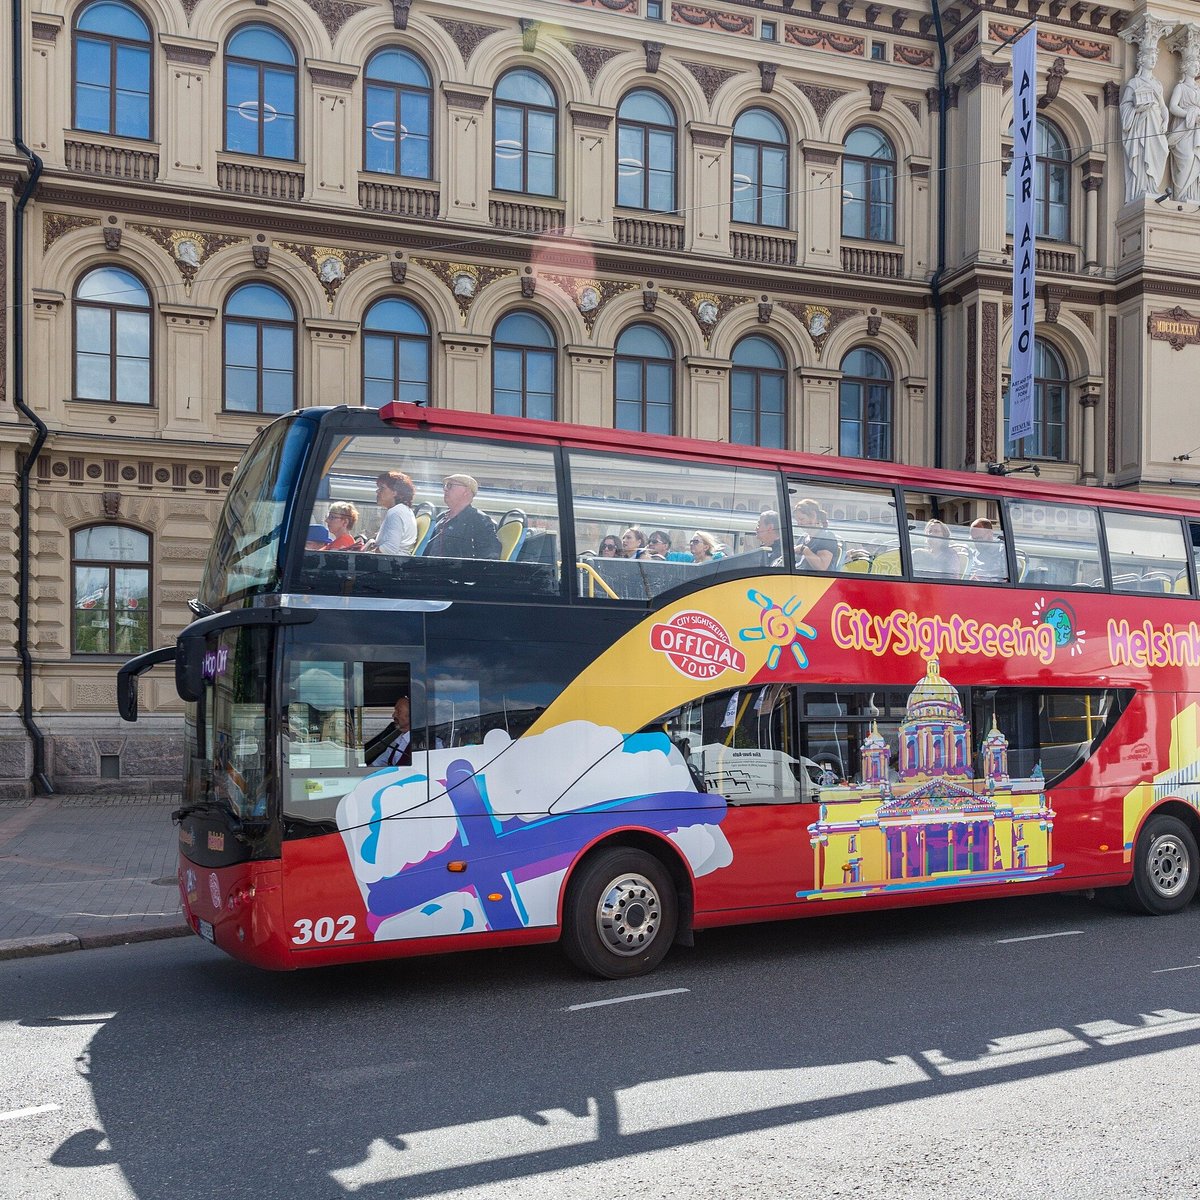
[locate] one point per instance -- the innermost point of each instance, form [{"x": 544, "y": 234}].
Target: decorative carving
[
  {"x": 1052, "y": 296},
  {"x": 590, "y": 295},
  {"x": 334, "y": 13},
  {"x": 972, "y": 381},
  {"x": 400, "y": 9},
  {"x": 629, "y": 6},
  {"x": 262, "y": 256},
  {"x": 466, "y": 35},
  {"x": 1054, "y": 78},
  {"x": 330, "y": 264},
  {"x": 465, "y": 280},
  {"x": 55, "y": 224},
  {"x": 1176, "y": 326},
  {"x": 112, "y": 237},
  {"x": 983, "y": 70},
  {"x": 1055, "y": 43},
  {"x": 1110, "y": 423},
  {"x": 820, "y": 320},
  {"x": 874, "y": 324},
  {"x": 192, "y": 56},
  {"x": 653, "y": 56},
  {"x": 873, "y": 12},
  {"x": 649, "y": 298},
  {"x": 766, "y": 74},
  {"x": 399, "y": 269},
  {"x": 465, "y": 99},
  {"x": 710, "y": 138},
  {"x": 988, "y": 383},
  {"x": 964, "y": 44},
  {"x": 581, "y": 118},
  {"x": 709, "y": 77},
  {"x": 1087, "y": 318},
  {"x": 907, "y": 322},
  {"x": 528, "y": 284},
  {"x": 821, "y": 98},
  {"x": 1184, "y": 137},
  {"x": 112, "y": 503},
  {"x": 912, "y": 56},
  {"x": 189, "y": 7},
  {"x": 188, "y": 248},
  {"x": 45, "y": 31},
  {"x": 877, "y": 88},
  {"x": 707, "y": 308},
  {"x": 711, "y": 18},
  {"x": 825, "y": 39},
  {"x": 592, "y": 58},
  {"x": 331, "y": 79},
  {"x": 1144, "y": 114},
  {"x": 529, "y": 33},
  {"x": 765, "y": 308},
  {"x": 1112, "y": 94}
]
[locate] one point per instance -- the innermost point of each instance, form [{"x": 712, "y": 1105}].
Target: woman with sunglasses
[
  {"x": 703, "y": 546},
  {"x": 609, "y": 548}
]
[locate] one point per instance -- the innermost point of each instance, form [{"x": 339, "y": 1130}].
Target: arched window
[
  {"x": 524, "y": 367},
  {"x": 865, "y": 406},
  {"x": 112, "y": 70},
  {"x": 645, "y": 380},
  {"x": 112, "y": 337},
  {"x": 646, "y": 153},
  {"x": 525, "y": 141},
  {"x": 1049, "y": 437},
  {"x": 758, "y": 394},
  {"x": 869, "y": 186},
  {"x": 260, "y": 350},
  {"x": 260, "y": 93},
  {"x": 1053, "y": 185},
  {"x": 398, "y": 118},
  {"x": 760, "y": 169},
  {"x": 396, "y": 353},
  {"x": 110, "y": 590}
]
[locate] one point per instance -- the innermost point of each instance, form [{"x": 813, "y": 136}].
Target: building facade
[{"x": 724, "y": 220}]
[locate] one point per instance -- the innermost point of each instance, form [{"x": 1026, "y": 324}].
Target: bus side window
[
  {"x": 1058, "y": 545},
  {"x": 1183, "y": 584},
  {"x": 1145, "y": 554},
  {"x": 857, "y": 523}
]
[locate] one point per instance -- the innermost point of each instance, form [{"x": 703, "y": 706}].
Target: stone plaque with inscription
[{"x": 1175, "y": 326}]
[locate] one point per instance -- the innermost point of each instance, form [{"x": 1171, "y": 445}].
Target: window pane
[
  {"x": 241, "y": 108},
  {"x": 378, "y": 392},
  {"x": 93, "y": 62},
  {"x": 541, "y": 180},
  {"x": 92, "y": 377},
  {"x": 381, "y": 130},
  {"x": 278, "y": 348},
  {"x": 1145, "y": 554},
  {"x": 378, "y": 357},
  {"x": 133, "y": 380},
  {"x": 278, "y": 392},
  {"x": 259, "y": 300},
  {"x": 241, "y": 389},
  {"x": 92, "y": 618},
  {"x": 131, "y": 610},
  {"x": 92, "y": 329},
  {"x": 111, "y": 543},
  {"x": 1058, "y": 545}
]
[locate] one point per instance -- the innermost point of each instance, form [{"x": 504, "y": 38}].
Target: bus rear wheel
[
  {"x": 1166, "y": 867},
  {"x": 620, "y": 914}
]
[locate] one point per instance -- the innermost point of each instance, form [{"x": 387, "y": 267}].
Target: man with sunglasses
[{"x": 462, "y": 531}]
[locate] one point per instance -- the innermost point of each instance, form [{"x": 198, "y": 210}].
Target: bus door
[
  {"x": 353, "y": 728},
  {"x": 742, "y": 744}
]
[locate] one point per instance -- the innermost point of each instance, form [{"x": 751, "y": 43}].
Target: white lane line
[
  {"x": 625, "y": 999},
  {"x": 1037, "y": 937},
  {"x": 17, "y": 1113},
  {"x": 1165, "y": 970}
]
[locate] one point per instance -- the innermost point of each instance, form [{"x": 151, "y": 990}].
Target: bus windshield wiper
[{"x": 201, "y": 806}]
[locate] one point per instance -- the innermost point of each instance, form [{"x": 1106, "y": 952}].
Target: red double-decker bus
[{"x": 460, "y": 681}]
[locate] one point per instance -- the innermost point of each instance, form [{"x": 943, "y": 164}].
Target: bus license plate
[{"x": 206, "y": 932}]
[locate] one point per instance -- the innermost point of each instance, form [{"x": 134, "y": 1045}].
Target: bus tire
[
  {"x": 1166, "y": 867},
  {"x": 620, "y": 914}
]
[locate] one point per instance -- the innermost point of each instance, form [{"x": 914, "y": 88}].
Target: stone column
[
  {"x": 468, "y": 372},
  {"x": 337, "y": 134},
  {"x": 190, "y": 397},
  {"x": 49, "y": 60},
  {"x": 590, "y": 200},
  {"x": 704, "y": 406},
  {"x": 48, "y": 341},
  {"x": 589, "y": 395},
  {"x": 918, "y": 238},
  {"x": 468, "y": 167},
  {"x": 979, "y": 200},
  {"x": 332, "y": 370},
  {"x": 188, "y": 141},
  {"x": 1089, "y": 398},
  {"x": 821, "y": 212},
  {"x": 912, "y": 426},
  {"x": 708, "y": 231},
  {"x": 815, "y": 418},
  {"x": 1093, "y": 177}
]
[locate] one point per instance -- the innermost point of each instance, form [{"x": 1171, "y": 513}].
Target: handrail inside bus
[{"x": 593, "y": 579}]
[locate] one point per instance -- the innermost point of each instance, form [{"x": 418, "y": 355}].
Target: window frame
[
  {"x": 1045, "y": 166},
  {"x": 398, "y": 90},
  {"x": 757, "y": 373},
  {"x": 863, "y": 422},
  {"x": 1041, "y": 425},
  {"x": 524, "y": 352},
  {"x": 644, "y": 129},
  {"x": 112, "y": 567},
  {"x": 259, "y": 66},
  {"x": 759, "y": 146},
  {"x": 642, "y": 361},
  {"x": 112, "y": 308},
  {"x": 259, "y": 323},
  {"x": 114, "y": 41},
  {"x": 396, "y": 337},
  {"x": 524, "y": 107},
  {"x": 870, "y": 185}
]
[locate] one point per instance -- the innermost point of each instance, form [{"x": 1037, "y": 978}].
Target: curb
[{"x": 60, "y": 943}]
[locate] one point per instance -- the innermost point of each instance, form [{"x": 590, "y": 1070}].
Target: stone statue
[
  {"x": 1144, "y": 127},
  {"x": 1184, "y": 137}
]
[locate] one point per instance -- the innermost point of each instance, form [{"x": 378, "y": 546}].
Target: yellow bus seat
[
  {"x": 886, "y": 562},
  {"x": 424, "y": 524},
  {"x": 511, "y": 533}
]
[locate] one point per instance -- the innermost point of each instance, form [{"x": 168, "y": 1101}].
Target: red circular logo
[{"x": 697, "y": 646}]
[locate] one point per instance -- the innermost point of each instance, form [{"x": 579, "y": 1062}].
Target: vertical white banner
[{"x": 1024, "y": 170}]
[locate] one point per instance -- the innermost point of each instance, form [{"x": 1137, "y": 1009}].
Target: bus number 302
[{"x": 323, "y": 929}]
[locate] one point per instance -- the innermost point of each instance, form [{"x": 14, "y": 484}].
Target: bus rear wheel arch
[
  {"x": 1166, "y": 867},
  {"x": 621, "y": 913}
]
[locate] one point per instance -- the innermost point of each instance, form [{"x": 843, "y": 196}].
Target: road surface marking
[
  {"x": 625, "y": 999},
  {"x": 28, "y": 1112},
  {"x": 1037, "y": 937},
  {"x": 1165, "y": 970}
]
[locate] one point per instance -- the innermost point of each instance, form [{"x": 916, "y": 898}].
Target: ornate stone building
[{"x": 629, "y": 213}]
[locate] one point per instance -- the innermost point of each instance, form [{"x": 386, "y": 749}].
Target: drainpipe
[
  {"x": 935, "y": 284},
  {"x": 41, "y": 784}
]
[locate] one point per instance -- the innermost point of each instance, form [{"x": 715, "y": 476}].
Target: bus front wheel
[
  {"x": 1166, "y": 867},
  {"x": 620, "y": 914}
]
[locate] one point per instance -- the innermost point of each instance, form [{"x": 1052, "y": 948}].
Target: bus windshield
[{"x": 246, "y": 547}]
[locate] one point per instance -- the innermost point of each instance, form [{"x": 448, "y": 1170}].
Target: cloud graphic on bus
[{"x": 516, "y": 814}]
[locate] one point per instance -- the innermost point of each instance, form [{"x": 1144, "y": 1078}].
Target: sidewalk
[{"x": 81, "y": 871}]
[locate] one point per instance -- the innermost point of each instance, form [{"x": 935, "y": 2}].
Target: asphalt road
[{"x": 1042, "y": 1047}]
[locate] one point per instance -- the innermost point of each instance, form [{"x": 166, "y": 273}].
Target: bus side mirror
[
  {"x": 127, "y": 677},
  {"x": 189, "y": 668}
]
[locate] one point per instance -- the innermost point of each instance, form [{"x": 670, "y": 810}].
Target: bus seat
[
  {"x": 1022, "y": 564},
  {"x": 511, "y": 532},
  {"x": 1155, "y": 581},
  {"x": 424, "y": 524},
  {"x": 886, "y": 562},
  {"x": 857, "y": 566},
  {"x": 1182, "y": 585}
]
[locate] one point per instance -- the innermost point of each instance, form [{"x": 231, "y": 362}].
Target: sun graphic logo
[
  {"x": 697, "y": 646},
  {"x": 776, "y": 625},
  {"x": 1060, "y": 616}
]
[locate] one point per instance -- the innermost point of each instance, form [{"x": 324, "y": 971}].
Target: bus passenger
[
  {"x": 609, "y": 548},
  {"x": 318, "y": 538},
  {"x": 394, "y": 491},
  {"x": 340, "y": 520},
  {"x": 633, "y": 543},
  {"x": 462, "y": 531},
  {"x": 703, "y": 546},
  {"x": 769, "y": 538},
  {"x": 939, "y": 557},
  {"x": 988, "y": 560},
  {"x": 658, "y": 544},
  {"x": 815, "y": 549}
]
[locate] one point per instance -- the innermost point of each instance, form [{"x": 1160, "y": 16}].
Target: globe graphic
[{"x": 1060, "y": 618}]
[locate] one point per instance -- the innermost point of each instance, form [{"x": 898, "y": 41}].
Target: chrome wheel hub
[
  {"x": 629, "y": 915},
  {"x": 1168, "y": 865}
]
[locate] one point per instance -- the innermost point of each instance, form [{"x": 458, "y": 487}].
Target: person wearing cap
[
  {"x": 394, "y": 492},
  {"x": 318, "y": 538},
  {"x": 462, "y": 531}
]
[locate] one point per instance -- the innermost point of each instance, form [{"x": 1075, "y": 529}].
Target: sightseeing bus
[{"x": 665, "y": 685}]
